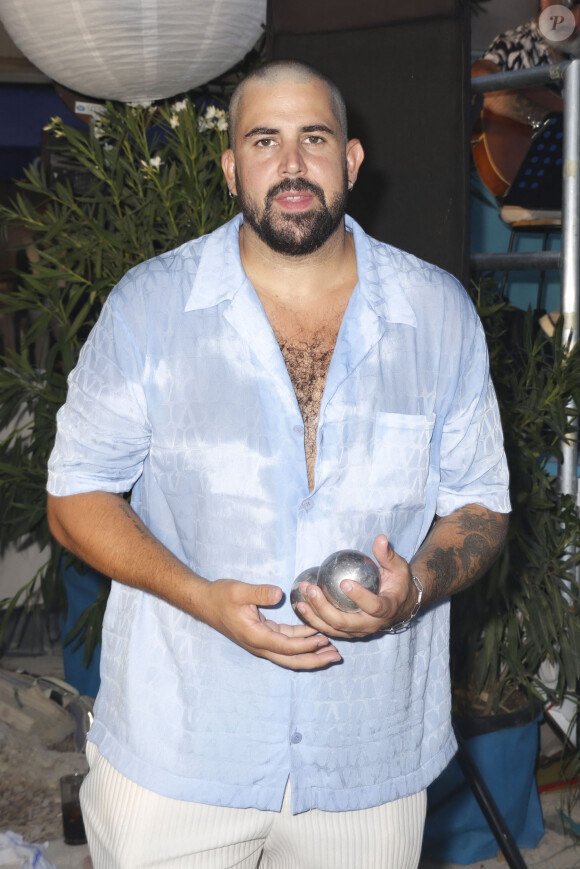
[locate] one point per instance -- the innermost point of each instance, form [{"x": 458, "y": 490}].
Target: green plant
[
  {"x": 525, "y": 610},
  {"x": 477, "y": 7},
  {"x": 139, "y": 181}
]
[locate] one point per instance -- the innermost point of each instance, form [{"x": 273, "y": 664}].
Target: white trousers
[{"x": 129, "y": 827}]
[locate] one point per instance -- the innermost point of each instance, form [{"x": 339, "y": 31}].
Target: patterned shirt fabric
[
  {"x": 520, "y": 48},
  {"x": 182, "y": 395}
]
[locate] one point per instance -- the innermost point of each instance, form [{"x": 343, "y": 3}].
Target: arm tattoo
[
  {"x": 527, "y": 111},
  {"x": 133, "y": 518},
  {"x": 476, "y": 539},
  {"x": 444, "y": 565}
]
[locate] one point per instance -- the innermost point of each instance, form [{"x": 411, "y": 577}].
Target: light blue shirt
[{"x": 181, "y": 393}]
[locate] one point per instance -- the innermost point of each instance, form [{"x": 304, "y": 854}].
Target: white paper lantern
[{"x": 133, "y": 49}]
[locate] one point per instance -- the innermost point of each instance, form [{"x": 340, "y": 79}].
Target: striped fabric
[{"x": 129, "y": 827}]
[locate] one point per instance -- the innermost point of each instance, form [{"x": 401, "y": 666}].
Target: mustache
[{"x": 295, "y": 185}]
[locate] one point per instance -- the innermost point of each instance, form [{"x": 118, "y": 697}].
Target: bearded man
[{"x": 278, "y": 390}]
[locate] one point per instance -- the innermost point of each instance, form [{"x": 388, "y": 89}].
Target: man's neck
[{"x": 299, "y": 281}]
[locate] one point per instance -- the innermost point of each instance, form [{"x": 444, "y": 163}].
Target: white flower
[
  {"x": 213, "y": 119},
  {"x": 173, "y": 121},
  {"x": 179, "y": 106},
  {"x": 54, "y": 122},
  {"x": 154, "y": 163},
  {"x": 140, "y": 104}
]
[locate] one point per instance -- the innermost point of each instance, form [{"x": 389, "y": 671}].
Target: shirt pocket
[{"x": 400, "y": 458}]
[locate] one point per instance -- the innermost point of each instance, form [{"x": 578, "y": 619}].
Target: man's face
[{"x": 290, "y": 169}]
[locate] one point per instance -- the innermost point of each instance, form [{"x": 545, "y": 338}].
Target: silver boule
[
  {"x": 347, "y": 564},
  {"x": 296, "y": 596}
]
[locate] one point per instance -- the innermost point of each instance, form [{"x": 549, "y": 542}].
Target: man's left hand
[{"x": 394, "y": 602}]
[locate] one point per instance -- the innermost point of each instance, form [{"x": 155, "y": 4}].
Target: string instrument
[{"x": 499, "y": 145}]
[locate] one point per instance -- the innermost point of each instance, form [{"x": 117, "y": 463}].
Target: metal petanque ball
[
  {"x": 296, "y": 596},
  {"x": 347, "y": 564}
]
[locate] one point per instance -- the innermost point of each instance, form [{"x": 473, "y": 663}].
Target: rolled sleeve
[
  {"x": 103, "y": 434},
  {"x": 473, "y": 467}
]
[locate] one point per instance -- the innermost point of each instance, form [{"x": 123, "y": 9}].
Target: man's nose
[{"x": 291, "y": 160}]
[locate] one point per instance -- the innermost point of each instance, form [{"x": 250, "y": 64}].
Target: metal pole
[
  {"x": 518, "y": 261},
  {"x": 518, "y": 78},
  {"x": 571, "y": 249}
]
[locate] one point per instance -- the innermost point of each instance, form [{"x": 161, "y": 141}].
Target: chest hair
[
  {"x": 307, "y": 361},
  {"x": 307, "y": 338}
]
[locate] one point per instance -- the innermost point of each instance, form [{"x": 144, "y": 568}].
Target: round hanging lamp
[{"x": 133, "y": 49}]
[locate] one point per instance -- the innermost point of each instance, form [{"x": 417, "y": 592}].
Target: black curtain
[{"x": 404, "y": 71}]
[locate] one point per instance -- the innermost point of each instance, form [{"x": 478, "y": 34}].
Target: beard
[{"x": 294, "y": 234}]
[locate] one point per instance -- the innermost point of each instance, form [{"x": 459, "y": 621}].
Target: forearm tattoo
[
  {"x": 478, "y": 536},
  {"x": 134, "y": 519},
  {"x": 527, "y": 111}
]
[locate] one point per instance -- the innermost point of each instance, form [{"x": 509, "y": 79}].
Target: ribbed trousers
[{"x": 129, "y": 827}]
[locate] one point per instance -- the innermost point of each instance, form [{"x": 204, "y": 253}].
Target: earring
[
  {"x": 231, "y": 195},
  {"x": 350, "y": 185}
]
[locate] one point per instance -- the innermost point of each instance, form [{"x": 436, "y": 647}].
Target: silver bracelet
[
  {"x": 535, "y": 123},
  {"x": 401, "y": 626}
]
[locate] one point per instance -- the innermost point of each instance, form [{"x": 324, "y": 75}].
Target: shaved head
[{"x": 275, "y": 71}]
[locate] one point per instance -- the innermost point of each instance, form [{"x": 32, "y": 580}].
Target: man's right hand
[
  {"x": 103, "y": 530},
  {"x": 233, "y": 609}
]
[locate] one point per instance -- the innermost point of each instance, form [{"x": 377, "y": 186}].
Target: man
[
  {"x": 526, "y": 46},
  {"x": 281, "y": 389}
]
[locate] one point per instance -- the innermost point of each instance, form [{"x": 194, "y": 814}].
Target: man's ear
[
  {"x": 229, "y": 170},
  {"x": 354, "y": 157}
]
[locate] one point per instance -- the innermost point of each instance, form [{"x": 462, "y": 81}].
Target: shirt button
[
  {"x": 296, "y": 738},
  {"x": 308, "y": 505},
  {"x": 298, "y": 429}
]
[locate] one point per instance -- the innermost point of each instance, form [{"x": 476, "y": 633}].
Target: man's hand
[
  {"x": 231, "y": 607},
  {"x": 103, "y": 530},
  {"x": 456, "y": 552},
  {"x": 394, "y": 602}
]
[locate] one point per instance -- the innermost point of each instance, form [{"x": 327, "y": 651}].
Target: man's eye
[
  {"x": 265, "y": 143},
  {"x": 314, "y": 140}
]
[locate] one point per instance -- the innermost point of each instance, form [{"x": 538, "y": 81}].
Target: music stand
[{"x": 536, "y": 191}]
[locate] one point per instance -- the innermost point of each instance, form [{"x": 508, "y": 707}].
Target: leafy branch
[{"x": 139, "y": 181}]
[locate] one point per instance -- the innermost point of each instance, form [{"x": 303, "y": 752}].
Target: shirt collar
[
  {"x": 381, "y": 270},
  {"x": 220, "y": 273}
]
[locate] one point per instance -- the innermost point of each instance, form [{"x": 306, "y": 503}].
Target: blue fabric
[
  {"x": 29, "y": 109},
  {"x": 81, "y": 591},
  {"x": 182, "y": 393},
  {"x": 456, "y": 830}
]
